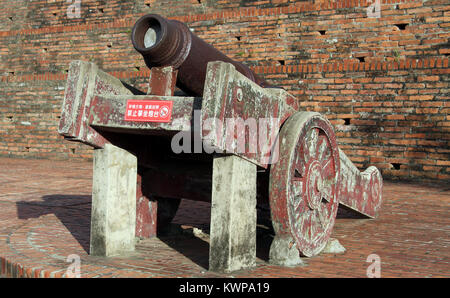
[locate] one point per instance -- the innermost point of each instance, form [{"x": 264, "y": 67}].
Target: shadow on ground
[
  {"x": 74, "y": 212},
  {"x": 193, "y": 248}
]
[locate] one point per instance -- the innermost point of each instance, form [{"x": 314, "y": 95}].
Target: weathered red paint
[
  {"x": 146, "y": 213},
  {"x": 310, "y": 179},
  {"x": 230, "y": 95},
  {"x": 360, "y": 191},
  {"x": 162, "y": 81},
  {"x": 109, "y": 113},
  {"x": 304, "y": 183},
  {"x": 84, "y": 82}
]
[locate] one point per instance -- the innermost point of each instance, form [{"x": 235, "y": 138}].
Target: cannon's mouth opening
[{"x": 147, "y": 33}]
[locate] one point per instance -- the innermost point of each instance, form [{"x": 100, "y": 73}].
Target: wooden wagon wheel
[{"x": 304, "y": 182}]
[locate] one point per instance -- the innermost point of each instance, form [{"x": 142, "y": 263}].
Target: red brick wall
[{"x": 383, "y": 82}]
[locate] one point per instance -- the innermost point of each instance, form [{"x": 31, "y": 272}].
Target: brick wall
[{"x": 383, "y": 82}]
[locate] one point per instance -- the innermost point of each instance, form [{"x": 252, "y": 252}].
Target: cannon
[
  {"x": 163, "y": 42},
  {"x": 229, "y": 138}
]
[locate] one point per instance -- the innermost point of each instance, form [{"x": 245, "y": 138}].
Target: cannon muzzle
[{"x": 164, "y": 42}]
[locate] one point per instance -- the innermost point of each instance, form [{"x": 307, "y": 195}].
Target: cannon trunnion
[{"x": 232, "y": 141}]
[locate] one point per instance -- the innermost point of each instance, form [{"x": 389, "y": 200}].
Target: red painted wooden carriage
[{"x": 301, "y": 173}]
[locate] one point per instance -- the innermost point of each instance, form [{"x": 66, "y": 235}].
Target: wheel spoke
[
  {"x": 297, "y": 190},
  {"x": 302, "y": 222},
  {"x": 297, "y": 186},
  {"x": 320, "y": 217},
  {"x": 326, "y": 192},
  {"x": 308, "y": 227},
  {"x": 322, "y": 148},
  {"x": 313, "y": 225},
  {"x": 328, "y": 169},
  {"x": 310, "y": 144},
  {"x": 325, "y": 213},
  {"x": 329, "y": 179},
  {"x": 310, "y": 232},
  {"x": 299, "y": 166}
]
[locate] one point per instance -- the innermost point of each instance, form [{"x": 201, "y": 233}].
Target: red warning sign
[{"x": 149, "y": 110}]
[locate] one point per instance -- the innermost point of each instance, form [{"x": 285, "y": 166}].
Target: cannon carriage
[{"x": 230, "y": 139}]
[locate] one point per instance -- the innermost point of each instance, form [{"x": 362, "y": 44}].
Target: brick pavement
[{"x": 45, "y": 217}]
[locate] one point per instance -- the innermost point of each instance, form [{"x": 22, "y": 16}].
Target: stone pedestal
[
  {"x": 283, "y": 252},
  {"x": 233, "y": 215},
  {"x": 113, "y": 219}
]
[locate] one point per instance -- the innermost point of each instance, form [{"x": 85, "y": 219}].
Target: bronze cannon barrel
[{"x": 163, "y": 42}]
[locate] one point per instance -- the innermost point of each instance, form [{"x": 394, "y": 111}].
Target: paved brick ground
[{"x": 45, "y": 213}]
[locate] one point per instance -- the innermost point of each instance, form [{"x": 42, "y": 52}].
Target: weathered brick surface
[
  {"x": 383, "y": 82},
  {"x": 45, "y": 218}
]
